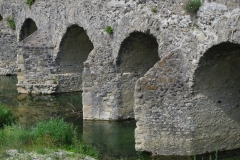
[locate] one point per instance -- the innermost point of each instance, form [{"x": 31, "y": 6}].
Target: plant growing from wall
[
  {"x": 193, "y": 6},
  {"x": 30, "y": 2},
  {"x": 154, "y": 9},
  {"x": 109, "y": 30},
  {"x": 11, "y": 23}
]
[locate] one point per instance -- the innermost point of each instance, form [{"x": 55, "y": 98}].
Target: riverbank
[
  {"x": 43, "y": 155},
  {"x": 51, "y": 139}
]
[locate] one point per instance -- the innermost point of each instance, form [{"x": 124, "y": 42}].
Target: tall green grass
[
  {"x": 53, "y": 134},
  {"x": 14, "y": 137},
  {"x": 60, "y": 132},
  {"x": 6, "y": 117}
]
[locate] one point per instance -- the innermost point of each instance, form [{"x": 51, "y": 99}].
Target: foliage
[
  {"x": 55, "y": 131},
  {"x": 11, "y": 23},
  {"x": 193, "y": 5},
  {"x": 13, "y": 137},
  {"x": 6, "y": 117},
  {"x": 84, "y": 149},
  {"x": 53, "y": 134},
  {"x": 109, "y": 30},
  {"x": 154, "y": 9},
  {"x": 30, "y": 2},
  {"x": 209, "y": 158}
]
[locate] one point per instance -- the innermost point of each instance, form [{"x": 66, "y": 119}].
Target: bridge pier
[{"x": 176, "y": 75}]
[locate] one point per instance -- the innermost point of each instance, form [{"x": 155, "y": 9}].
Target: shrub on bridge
[
  {"x": 193, "y": 6},
  {"x": 109, "y": 30},
  {"x": 11, "y": 23},
  {"x": 30, "y": 2}
]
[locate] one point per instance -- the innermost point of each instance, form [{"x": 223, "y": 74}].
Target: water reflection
[
  {"x": 114, "y": 138},
  {"x": 31, "y": 109}
]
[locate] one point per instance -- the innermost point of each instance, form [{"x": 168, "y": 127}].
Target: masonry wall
[{"x": 8, "y": 54}]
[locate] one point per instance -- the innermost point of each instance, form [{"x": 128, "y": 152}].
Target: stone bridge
[{"x": 176, "y": 73}]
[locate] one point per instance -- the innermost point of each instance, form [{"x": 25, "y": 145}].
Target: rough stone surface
[
  {"x": 185, "y": 101},
  {"x": 8, "y": 54}
]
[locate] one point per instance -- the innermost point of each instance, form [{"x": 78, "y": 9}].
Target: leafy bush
[
  {"x": 55, "y": 131},
  {"x": 30, "y": 2},
  {"x": 6, "y": 117},
  {"x": 11, "y": 23},
  {"x": 193, "y": 5},
  {"x": 109, "y": 30}
]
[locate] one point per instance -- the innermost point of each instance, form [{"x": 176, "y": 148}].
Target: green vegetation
[
  {"x": 54, "y": 132},
  {"x": 11, "y": 23},
  {"x": 109, "y": 30},
  {"x": 209, "y": 158},
  {"x": 6, "y": 117},
  {"x": 44, "y": 138},
  {"x": 154, "y": 9},
  {"x": 193, "y": 6},
  {"x": 30, "y": 2}
]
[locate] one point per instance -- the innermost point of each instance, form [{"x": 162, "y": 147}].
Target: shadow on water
[{"x": 114, "y": 140}]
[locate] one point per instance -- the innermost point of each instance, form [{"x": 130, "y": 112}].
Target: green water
[{"x": 114, "y": 140}]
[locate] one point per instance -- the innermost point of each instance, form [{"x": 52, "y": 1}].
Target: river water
[{"x": 114, "y": 140}]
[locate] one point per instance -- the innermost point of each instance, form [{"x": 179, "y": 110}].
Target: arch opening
[
  {"x": 74, "y": 50},
  {"x": 1, "y": 18},
  {"x": 217, "y": 95},
  {"x": 138, "y": 53},
  {"x": 28, "y": 28}
]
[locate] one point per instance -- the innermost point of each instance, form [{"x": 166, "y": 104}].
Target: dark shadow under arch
[
  {"x": 138, "y": 53},
  {"x": 74, "y": 50},
  {"x": 1, "y": 18},
  {"x": 28, "y": 28},
  {"x": 217, "y": 97},
  {"x": 219, "y": 68}
]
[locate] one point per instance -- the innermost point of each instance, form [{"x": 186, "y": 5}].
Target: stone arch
[
  {"x": 1, "y": 18},
  {"x": 74, "y": 50},
  {"x": 216, "y": 95},
  {"x": 131, "y": 20},
  {"x": 28, "y": 27},
  {"x": 138, "y": 53}
]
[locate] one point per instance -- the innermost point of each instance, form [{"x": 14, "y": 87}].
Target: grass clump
[
  {"x": 43, "y": 138},
  {"x": 30, "y": 2},
  {"x": 6, "y": 117},
  {"x": 55, "y": 131},
  {"x": 193, "y": 6},
  {"x": 13, "y": 137},
  {"x": 109, "y": 30},
  {"x": 11, "y": 23}
]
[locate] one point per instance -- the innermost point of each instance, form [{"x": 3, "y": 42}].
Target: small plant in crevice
[
  {"x": 54, "y": 80},
  {"x": 30, "y": 2},
  {"x": 193, "y": 6},
  {"x": 109, "y": 30},
  {"x": 154, "y": 9},
  {"x": 11, "y": 23}
]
